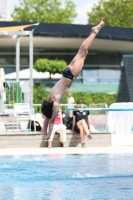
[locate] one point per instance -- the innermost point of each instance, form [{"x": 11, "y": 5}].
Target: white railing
[
  {"x": 9, "y": 108},
  {"x": 62, "y": 106},
  {"x": 99, "y": 121}
]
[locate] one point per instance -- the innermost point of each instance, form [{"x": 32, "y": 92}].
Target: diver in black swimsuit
[{"x": 50, "y": 107}]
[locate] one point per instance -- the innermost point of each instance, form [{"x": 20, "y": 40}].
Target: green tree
[
  {"x": 113, "y": 12},
  {"x": 51, "y": 66},
  {"x": 51, "y": 11}
]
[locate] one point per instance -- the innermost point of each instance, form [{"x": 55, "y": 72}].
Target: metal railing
[
  {"x": 98, "y": 118},
  {"x": 9, "y": 108}
]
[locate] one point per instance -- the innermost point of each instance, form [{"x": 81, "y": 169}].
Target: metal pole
[
  {"x": 17, "y": 64},
  {"x": 31, "y": 71}
]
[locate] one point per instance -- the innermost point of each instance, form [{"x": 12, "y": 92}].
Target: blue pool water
[{"x": 64, "y": 177}]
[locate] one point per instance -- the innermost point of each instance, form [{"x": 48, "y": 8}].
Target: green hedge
[
  {"x": 88, "y": 98},
  {"x": 91, "y": 98}
]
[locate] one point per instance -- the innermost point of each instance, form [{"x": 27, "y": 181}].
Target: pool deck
[{"x": 63, "y": 151}]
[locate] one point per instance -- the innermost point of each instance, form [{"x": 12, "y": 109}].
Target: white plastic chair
[{"x": 22, "y": 112}]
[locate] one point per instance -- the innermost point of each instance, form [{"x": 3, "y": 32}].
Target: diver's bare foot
[
  {"x": 45, "y": 137},
  {"x": 97, "y": 28}
]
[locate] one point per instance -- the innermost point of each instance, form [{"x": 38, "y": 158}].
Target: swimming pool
[{"x": 64, "y": 177}]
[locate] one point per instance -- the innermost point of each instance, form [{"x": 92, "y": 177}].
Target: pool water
[{"x": 64, "y": 177}]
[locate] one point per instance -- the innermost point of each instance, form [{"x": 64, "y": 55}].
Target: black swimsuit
[{"x": 68, "y": 74}]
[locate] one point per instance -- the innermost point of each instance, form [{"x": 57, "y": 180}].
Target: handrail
[
  {"x": 104, "y": 109},
  {"x": 9, "y": 108}
]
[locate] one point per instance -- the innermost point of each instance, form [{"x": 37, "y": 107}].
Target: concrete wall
[{"x": 34, "y": 140}]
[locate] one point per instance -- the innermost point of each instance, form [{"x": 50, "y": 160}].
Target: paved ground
[{"x": 70, "y": 150}]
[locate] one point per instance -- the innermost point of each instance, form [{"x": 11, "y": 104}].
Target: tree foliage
[
  {"x": 51, "y": 66},
  {"x": 114, "y": 13},
  {"x": 51, "y": 11}
]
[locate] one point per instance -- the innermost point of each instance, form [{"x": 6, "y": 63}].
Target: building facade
[{"x": 62, "y": 41}]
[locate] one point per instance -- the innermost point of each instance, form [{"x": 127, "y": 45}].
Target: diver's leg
[{"x": 77, "y": 63}]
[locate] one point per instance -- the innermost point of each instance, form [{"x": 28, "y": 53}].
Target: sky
[{"x": 82, "y": 6}]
